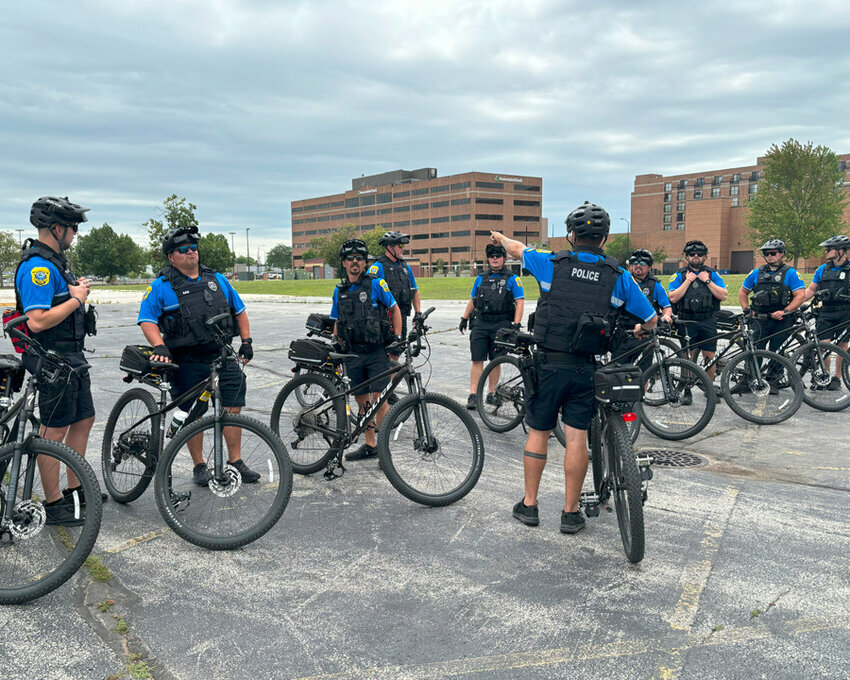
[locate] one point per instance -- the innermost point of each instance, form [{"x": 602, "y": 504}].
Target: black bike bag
[
  {"x": 618, "y": 384},
  {"x": 135, "y": 359},
  {"x": 310, "y": 353},
  {"x": 320, "y": 324}
]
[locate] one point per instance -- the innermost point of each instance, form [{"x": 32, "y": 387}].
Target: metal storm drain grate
[{"x": 674, "y": 459}]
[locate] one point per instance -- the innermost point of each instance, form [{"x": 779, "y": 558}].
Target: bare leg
[
  {"x": 475, "y": 375},
  {"x": 575, "y": 466},
  {"x": 532, "y": 465},
  {"x": 493, "y": 378}
]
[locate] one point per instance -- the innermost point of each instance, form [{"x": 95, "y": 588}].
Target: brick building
[
  {"x": 448, "y": 218},
  {"x": 667, "y": 212}
]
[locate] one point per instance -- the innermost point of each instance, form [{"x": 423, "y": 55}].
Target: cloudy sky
[{"x": 244, "y": 106}]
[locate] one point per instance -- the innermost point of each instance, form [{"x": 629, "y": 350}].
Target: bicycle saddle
[
  {"x": 336, "y": 356},
  {"x": 9, "y": 363}
]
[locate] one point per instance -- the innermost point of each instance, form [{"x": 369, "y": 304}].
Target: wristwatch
[{"x": 247, "y": 341}]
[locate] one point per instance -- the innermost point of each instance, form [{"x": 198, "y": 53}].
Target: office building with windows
[
  {"x": 449, "y": 219},
  {"x": 711, "y": 206}
]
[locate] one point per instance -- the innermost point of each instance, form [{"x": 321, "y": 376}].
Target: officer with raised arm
[
  {"x": 173, "y": 317},
  {"x": 496, "y": 302},
  {"x": 399, "y": 276},
  {"x": 362, "y": 309},
  {"x": 582, "y": 291},
  {"x": 54, "y": 300}
]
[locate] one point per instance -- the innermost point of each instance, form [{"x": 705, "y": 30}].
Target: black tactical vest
[
  {"x": 576, "y": 314},
  {"x": 698, "y": 302},
  {"x": 647, "y": 287},
  {"x": 838, "y": 284},
  {"x": 397, "y": 278},
  {"x": 362, "y": 326},
  {"x": 494, "y": 300},
  {"x": 68, "y": 334},
  {"x": 770, "y": 294},
  {"x": 197, "y": 301}
]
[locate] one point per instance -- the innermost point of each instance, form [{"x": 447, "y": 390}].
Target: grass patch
[
  {"x": 718, "y": 628},
  {"x": 755, "y": 613},
  {"x": 97, "y": 569},
  {"x": 105, "y": 605},
  {"x": 139, "y": 670},
  {"x": 122, "y": 627}
]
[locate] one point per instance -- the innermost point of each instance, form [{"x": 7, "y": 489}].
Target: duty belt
[
  {"x": 564, "y": 358},
  {"x": 696, "y": 317}
]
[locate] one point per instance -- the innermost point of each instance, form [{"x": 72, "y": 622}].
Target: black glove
[
  {"x": 516, "y": 326},
  {"x": 418, "y": 318},
  {"x": 161, "y": 351},
  {"x": 246, "y": 350},
  {"x": 464, "y": 322},
  {"x": 397, "y": 346},
  {"x": 340, "y": 346}
]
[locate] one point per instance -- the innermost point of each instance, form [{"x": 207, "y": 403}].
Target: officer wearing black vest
[
  {"x": 696, "y": 292},
  {"x": 366, "y": 318},
  {"x": 497, "y": 301},
  {"x": 399, "y": 276},
  {"x": 54, "y": 301},
  {"x": 582, "y": 291},
  {"x": 173, "y": 315},
  {"x": 777, "y": 292}
]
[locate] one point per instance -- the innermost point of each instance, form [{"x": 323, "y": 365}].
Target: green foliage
[
  {"x": 104, "y": 253},
  {"x": 175, "y": 212},
  {"x": 620, "y": 247},
  {"x": 244, "y": 259},
  {"x": 214, "y": 251},
  {"x": 800, "y": 200},
  {"x": 280, "y": 257},
  {"x": 10, "y": 254},
  {"x": 372, "y": 237},
  {"x": 327, "y": 247}
]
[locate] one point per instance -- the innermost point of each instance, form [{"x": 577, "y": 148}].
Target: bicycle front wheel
[
  {"x": 503, "y": 407},
  {"x": 129, "y": 451},
  {"x": 625, "y": 483},
  {"x": 37, "y": 553},
  {"x": 431, "y": 449},
  {"x": 824, "y": 369},
  {"x": 678, "y": 399},
  {"x": 762, "y": 387},
  {"x": 229, "y": 512}
]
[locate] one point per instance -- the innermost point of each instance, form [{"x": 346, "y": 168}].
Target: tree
[
  {"x": 280, "y": 257},
  {"x": 372, "y": 237},
  {"x": 439, "y": 266},
  {"x": 104, "y": 253},
  {"x": 800, "y": 201},
  {"x": 620, "y": 247},
  {"x": 327, "y": 247},
  {"x": 244, "y": 259},
  {"x": 214, "y": 251},
  {"x": 175, "y": 212},
  {"x": 10, "y": 255}
]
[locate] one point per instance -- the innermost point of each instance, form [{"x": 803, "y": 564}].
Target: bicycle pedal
[{"x": 591, "y": 509}]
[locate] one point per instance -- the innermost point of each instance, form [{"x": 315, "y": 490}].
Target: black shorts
[
  {"x": 703, "y": 330},
  {"x": 828, "y": 319},
  {"x": 232, "y": 382},
  {"x": 567, "y": 389},
  {"x": 364, "y": 367},
  {"x": 481, "y": 339},
  {"x": 67, "y": 401}
]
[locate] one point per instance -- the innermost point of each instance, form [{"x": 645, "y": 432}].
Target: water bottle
[{"x": 176, "y": 422}]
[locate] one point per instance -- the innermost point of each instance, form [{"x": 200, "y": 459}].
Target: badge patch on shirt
[
  {"x": 777, "y": 277},
  {"x": 212, "y": 285},
  {"x": 518, "y": 283},
  {"x": 40, "y": 276},
  {"x": 385, "y": 286},
  {"x": 146, "y": 293},
  {"x": 373, "y": 269},
  {"x": 363, "y": 296}
]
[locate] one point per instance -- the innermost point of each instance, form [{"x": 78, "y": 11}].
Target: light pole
[
  {"x": 248, "y": 249},
  {"x": 232, "y": 247},
  {"x": 628, "y": 227},
  {"x": 20, "y": 231}
]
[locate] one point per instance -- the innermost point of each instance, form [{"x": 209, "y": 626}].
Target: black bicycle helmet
[
  {"x": 774, "y": 244},
  {"x": 50, "y": 210},
  {"x": 695, "y": 247},
  {"x": 840, "y": 242},
  {"x": 589, "y": 221},
  {"x": 392, "y": 238},
  {"x": 353, "y": 246},
  {"x": 641, "y": 256},
  {"x": 493, "y": 250},
  {"x": 177, "y": 237}
]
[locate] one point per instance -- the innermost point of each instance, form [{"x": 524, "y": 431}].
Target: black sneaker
[
  {"x": 685, "y": 400},
  {"x": 527, "y": 514},
  {"x": 59, "y": 513},
  {"x": 571, "y": 522},
  {"x": 68, "y": 495},
  {"x": 201, "y": 474},
  {"x": 362, "y": 452},
  {"x": 491, "y": 399},
  {"x": 740, "y": 388},
  {"x": 774, "y": 388},
  {"x": 248, "y": 475},
  {"x": 834, "y": 384},
  {"x": 472, "y": 402}
]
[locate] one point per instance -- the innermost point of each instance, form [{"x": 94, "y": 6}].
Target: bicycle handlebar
[{"x": 50, "y": 355}]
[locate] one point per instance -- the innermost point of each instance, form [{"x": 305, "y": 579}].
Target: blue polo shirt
[
  {"x": 793, "y": 280},
  {"x": 38, "y": 282},
  {"x": 514, "y": 286},
  {"x": 380, "y": 293},
  {"x": 377, "y": 270},
  {"x": 659, "y": 295},
  {"x": 819, "y": 273},
  {"x": 626, "y": 293},
  {"x": 678, "y": 280},
  {"x": 159, "y": 297}
]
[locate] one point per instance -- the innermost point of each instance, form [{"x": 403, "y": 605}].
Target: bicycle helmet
[
  {"x": 589, "y": 221},
  {"x": 493, "y": 250},
  {"x": 641, "y": 256},
  {"x": 840, "y": 242},
  {"x": 774, "y": 244},
  {"x": 392, "y": 238},
  {"x": 177, "y": 237},
  {"x": 50, "y": 210},
  {"x": 695, "y": 247},
  {"x": 353, "y": 246}
]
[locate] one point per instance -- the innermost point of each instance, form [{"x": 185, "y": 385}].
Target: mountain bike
[
  {"x": 36, "y": 556},
  {"x": 227, "y": 513},
  {"x": 429, "y": 447}
]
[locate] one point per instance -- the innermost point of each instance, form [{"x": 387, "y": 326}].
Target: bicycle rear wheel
[
  {"x": 817, "y": 364},
  {"x": 304, "y": 431},
  {"x": 230, "y": 513},
  {"x": 678, "y": 399},
  {"x": 36, "y": 557},
  {"x": 773, "y": 396},
  {"x": 503, "y": 408},
  {"x": 128, "y": 455},
  {"x": 433, "y": 471},
  {"x": 625, "y": 482}
]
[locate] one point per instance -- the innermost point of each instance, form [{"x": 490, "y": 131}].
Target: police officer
[
  {"x": 581, "y": 292},
  {"x": 777, "y": 291},
  {"x": 834, "y": 277},
  {"x": 696, "y": 292},
  {"x": 399, "y": 276},
  {"x": 362, "y": 309},
  {"x": 54, "y": 300},
  {"x": 173, "y": 315},
  {"x": 496, "y": 302}
]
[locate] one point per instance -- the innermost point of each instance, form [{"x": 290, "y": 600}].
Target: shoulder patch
[
  {"x": 146, "y": 293},
  {"x": 373, "y": 269},
  {"x": 518, "y": 282},
  {"x": 40, "y": 276},
  {"x": 384, "y": 285}
]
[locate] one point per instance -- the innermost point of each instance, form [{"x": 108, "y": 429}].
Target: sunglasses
[
  {"x": 771, "y": 253},
  {"x": 354, "y": 258},
  {"x": 642, "y": 263},
  {"x": 185, "y": 249}
]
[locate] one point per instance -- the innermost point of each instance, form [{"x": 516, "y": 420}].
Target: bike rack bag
[
  {"x": 618, "y": 383},
  {"x": 512, "y": 339},
  {"x": 310, "y": 352},
  {"x": 321, "y": 324},
  {"x": 135, "y": 359}
]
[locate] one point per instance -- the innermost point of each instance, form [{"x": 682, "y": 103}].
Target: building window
[
  {"x": 439, "y": 204},
  {"x": 461, "y": 233},
  {"x": 753, "y": 189},
  {"x": 403, "y": 223},
  {"x": 481, "y": 216},
  {"x": 489, "y": 185},
  {"x": 461, "y": 185},
  {"x": 420, "y": 206},
  {"x": 668, "y": 218},
  {"x": 385, "y": 211},
  {"x": 700, "y": 181},
  {"x": 717, "y": 180},
  {"x": 367, "y": 200},
  {"x": 734, "y": 201},
  {"x": 437, "y": 190},
  {"x": 401, "y": 194},
  {"x": 439, "y": 220},
  {"x": 525, "y": 187},
  {"x": 461, "y": 218},
  {"x": 736, "y": 178},
  {"x": 733, "y": 190},
  {"x": 401, "y": 208},
  {"x": 680, "y": 226},
  {"x": 419, "y": 192},
  {"x": 482, "y": 232},
  {"x": 490, "y": 201},
  {"x": 352, "y": 202},
  {"x": 461, "y": 201},
  {"x": 419, "y": 237},
  {"x": 440, "y": 234},
  {"x": 667, "y": 227},
  {"x": 384, "y": 198},
  {"x": 715, "y": 192},
  {"x": 526, "y": 218},
  {"x": 424, "y": 221},
  {"x": 337, "y": 204},
  {"x": 460, "y": 249},
  {"x": 528, "y": 203},
  {"x": 439, "y": 250},
  {"x": 297, "y": 210},
  {"x": 755, "y": 176},
  {"x": 527, "y": 234},
  {"x": 680, "y": 217},
  {"x": 666, "y": 198},
  {"x": 420, "y": 251},
  {"x": 668, "y": 207},
  {"x": 842, "y": 165},
  {"x": 363, "y": 213},
  {"x": 680, "y": 205},
  {"x": 697, "y": 193},
  {"x": 327, "y": 218},
  {"x": 683, "y": 183},
  {"x": 680, "y": 196},
  {"x": 352, "y": 214},
  {"x": 308, "y": 208},
  {"x": 668, "y": 186}
]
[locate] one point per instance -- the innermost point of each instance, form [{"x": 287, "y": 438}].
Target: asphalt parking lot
[{"x": 746, "y": 573}]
